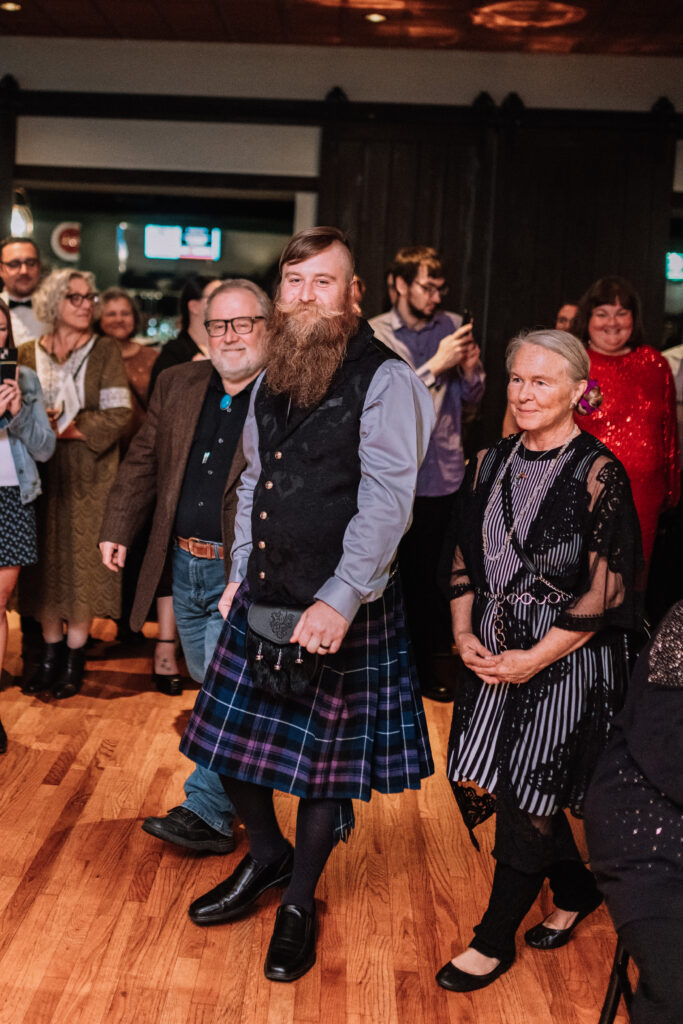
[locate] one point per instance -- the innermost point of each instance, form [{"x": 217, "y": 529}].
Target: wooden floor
[{"x": 93, "y": 922}]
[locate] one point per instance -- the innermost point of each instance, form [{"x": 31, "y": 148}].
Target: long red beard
[{"x": 306, "y": 345}]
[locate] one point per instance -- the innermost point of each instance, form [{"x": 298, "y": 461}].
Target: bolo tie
[{"x": 225, "y": 406}]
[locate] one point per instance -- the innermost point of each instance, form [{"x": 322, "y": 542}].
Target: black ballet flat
[
  {"x": 452, "y": 978},
  {"x": 541, "y": 937}
]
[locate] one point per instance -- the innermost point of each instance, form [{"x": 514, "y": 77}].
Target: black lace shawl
[{"x": 591, "y": 497}]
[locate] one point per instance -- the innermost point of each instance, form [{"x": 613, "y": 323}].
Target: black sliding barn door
[{"x": 527, "y": 207}]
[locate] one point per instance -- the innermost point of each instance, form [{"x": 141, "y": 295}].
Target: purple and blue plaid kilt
[{"x": 360, "y": 726}]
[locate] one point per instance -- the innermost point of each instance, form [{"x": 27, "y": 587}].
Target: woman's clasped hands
[{"x": 514, "y": 666}]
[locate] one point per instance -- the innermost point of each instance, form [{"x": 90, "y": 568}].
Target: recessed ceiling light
[
  {"x": 7, "y": 6},
  {"x": 527, "y": 14},
  {"x": 375, "y": 18}
]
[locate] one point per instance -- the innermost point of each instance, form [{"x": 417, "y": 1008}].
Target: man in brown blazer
[{"x": 182, "y": 468}]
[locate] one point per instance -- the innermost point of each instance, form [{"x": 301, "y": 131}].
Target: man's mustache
[{"x": 296, "y": 306}]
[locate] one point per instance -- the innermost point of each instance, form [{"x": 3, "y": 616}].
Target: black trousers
[
  {"x": 656, "y": 946},
  {"x": 423, "y": 563},
  {"x": 524, "y": 859}
]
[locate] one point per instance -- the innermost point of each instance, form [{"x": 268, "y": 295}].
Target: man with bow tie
[{"x": 20, "y": 270}]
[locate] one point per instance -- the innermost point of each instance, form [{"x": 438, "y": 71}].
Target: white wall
[
  {"x": 168, "y": 145},
  {"x": 306, "y": 72}
]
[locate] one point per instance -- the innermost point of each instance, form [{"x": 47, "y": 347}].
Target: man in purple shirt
[{"x": 441, "y": 350}]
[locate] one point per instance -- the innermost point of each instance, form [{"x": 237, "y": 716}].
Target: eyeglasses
[
  {"x": 78, "y": 298},
  {"x": 433, "y": 289},
  {"x": 30, "y": 263},
  {"x": 239, "y": 324}
]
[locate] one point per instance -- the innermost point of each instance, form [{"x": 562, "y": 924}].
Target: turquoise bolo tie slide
[{"x": 226, "y": 402}]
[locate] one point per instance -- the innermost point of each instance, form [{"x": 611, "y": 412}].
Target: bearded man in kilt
[{"x": 336, "y": 432}]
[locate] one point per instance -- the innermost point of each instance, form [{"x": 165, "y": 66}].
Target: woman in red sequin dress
[{"x": 637, "y": 418}]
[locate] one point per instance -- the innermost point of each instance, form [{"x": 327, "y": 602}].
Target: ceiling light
[
  {"x": 518, "y": 14},
  {"x": 7, "y": 6},
  {"x": 376, "y": 18}
]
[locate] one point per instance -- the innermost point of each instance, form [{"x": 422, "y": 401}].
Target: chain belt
[{"x": 525, "y": 598}]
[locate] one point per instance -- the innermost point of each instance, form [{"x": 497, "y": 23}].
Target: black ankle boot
[
  {"x": 71, "y": 679},
  {"x": 3, "y": 740},
  {"x": 49, "y": 669}
]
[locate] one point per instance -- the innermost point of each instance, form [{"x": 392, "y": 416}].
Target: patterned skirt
[
  {"x": 360, "y": 726},
  {"x": 18, "y": 544}
]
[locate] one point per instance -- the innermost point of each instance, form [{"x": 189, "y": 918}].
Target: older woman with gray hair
[
  {"x": 544, "y": 593},
  {"x": 88, "y": 403}
]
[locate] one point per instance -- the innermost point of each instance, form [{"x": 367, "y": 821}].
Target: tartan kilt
[{"x": 360, "y": 725}]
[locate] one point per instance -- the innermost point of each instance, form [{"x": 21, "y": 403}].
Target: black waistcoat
[{"x": 308, "y": 489}]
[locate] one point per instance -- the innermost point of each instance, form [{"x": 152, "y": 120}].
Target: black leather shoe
[
  {"x": 71, "y": 679},
  {"x": 49, "y": 670},
  {"x": 185, "y": 828},
  {"x": 540, "y": 937},
  {"x": 172, "y": 686},
  {"x": 292, "y": 947},
  {"x": 442, "y": 694},
  {"x": 3, "y": 739},
  {"x": 238, "y": 893},
  {"x": 455, "y": 980}
]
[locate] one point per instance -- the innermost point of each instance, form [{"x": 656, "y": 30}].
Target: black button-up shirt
[{"x": 208, "y": 464}]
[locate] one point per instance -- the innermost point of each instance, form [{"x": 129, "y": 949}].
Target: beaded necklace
[{"x": 532, "y": 497}]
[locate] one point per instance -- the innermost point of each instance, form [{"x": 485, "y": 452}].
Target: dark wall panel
[{"x": 526, "y": 207}]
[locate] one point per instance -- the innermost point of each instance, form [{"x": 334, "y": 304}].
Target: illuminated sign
[{"x": 173, "y": 242}]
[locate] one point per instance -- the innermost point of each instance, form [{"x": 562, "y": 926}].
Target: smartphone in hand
[{"x": 8, "y": 364}]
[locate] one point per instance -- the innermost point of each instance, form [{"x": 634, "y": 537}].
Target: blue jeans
[{"x": 197, "y": 586}]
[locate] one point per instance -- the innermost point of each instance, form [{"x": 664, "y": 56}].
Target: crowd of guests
[{"x": 314, "y": 463}]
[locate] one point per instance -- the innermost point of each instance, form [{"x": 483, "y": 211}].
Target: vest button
[
  {"x": 278, "y": 455},
  {"x": 268, "y": 485},
  {"x": 263, "y": 515},
  {"x": 261, "y": 575},
  {"x": 262, "y": 544}
]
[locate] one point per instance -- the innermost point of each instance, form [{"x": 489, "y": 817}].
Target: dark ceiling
[{"x": 636, "y": 27}]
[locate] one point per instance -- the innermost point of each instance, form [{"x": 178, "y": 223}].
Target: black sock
[
  {"x": 315, "y": 840},
  {"x": 254, "y": 804}
]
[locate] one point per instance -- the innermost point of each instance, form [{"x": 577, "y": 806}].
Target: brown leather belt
[{"x": 200, "y": 548}]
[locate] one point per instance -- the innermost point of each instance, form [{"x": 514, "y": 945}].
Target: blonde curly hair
[{"x": 53, "y": 288}]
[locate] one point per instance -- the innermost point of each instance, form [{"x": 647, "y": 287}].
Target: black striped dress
[{"x": 537, "y": 741}]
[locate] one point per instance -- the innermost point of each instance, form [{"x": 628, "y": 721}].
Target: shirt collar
[{"x": 397, "y": 323}]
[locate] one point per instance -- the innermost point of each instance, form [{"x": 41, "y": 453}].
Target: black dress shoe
[
  {"x": 540, "y": 937},
  {"x": 49, "y": 669},
  {"x": 172, "y": 686},
  {"x": 185, "y": 828},
  {"x": 438, "y": 692},
  {"x": 292, "y": 947},
  {"x": 70, "y": 679},
  {"x": 455, "y": 980},
  {"x": 238, "y": 893},
  {"x": 3, "y": 739}
]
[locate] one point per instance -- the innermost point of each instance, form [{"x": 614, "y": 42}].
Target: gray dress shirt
[{"x": 395, "y": 428}]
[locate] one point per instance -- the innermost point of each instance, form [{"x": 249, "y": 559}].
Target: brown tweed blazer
[{"x": 150, "y": 478}]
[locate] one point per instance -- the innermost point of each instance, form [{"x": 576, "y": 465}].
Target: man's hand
[
  {"x": 453, "y": 350},
  {"x": 226, "y": 599},
  {"x": 321, "y": 629},
  {"x": 113, "y": 555},
  {"x": 470, "y": 360}
]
